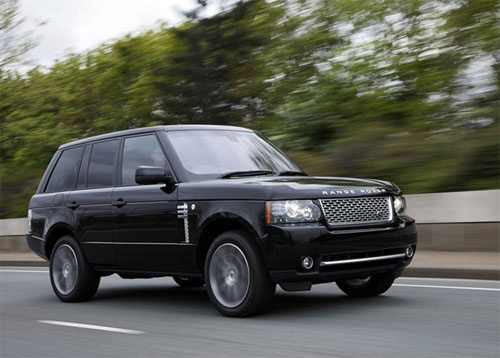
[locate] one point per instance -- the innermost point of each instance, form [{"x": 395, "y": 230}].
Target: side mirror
[{"x": 152, "y": 175}]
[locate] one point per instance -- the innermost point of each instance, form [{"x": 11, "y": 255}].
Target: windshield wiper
[
  {"x": 245, "y": 173},
  {"x": 290, "y": 173}
]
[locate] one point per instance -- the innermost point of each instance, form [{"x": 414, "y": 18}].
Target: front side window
[
  {"x": 101, "y": 164},
  {"x": 139, "y": 151},
  {"x": 64, "y": 175},
  {"x": 208, "y": 154}
]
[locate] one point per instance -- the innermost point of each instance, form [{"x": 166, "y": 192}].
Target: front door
[{"x": 144, "y": 216}]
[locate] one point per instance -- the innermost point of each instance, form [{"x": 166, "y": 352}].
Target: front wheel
[
  {"x": 368, "y": 286},
  {"x": 237, "y": 281},
  {"x": 72, "y": 278}
]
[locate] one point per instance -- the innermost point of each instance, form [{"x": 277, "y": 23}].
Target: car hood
[{"x": 281, "y": 188}]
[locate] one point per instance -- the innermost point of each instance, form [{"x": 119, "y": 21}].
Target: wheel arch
[
  {"x": 216, "y": 225},
  {"x": 55, "y": 232}
]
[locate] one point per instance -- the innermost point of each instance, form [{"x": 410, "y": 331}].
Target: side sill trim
[
  {"x": 36, "y": 237},
  {"x": 127, "y": 243},
  {"x": 365, "y": 259}
]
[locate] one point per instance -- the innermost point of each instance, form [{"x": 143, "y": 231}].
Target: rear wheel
[
  {"x": 188, "y": 282},
  {"x": 237, "y": 281},
  {"x": 368, "y": 286},
  {"x": 72, "y": 278}
]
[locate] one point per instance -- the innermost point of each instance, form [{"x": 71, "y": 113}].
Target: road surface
[{"x": 155, "y": 318}]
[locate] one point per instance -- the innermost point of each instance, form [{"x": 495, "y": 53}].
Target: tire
[
  {"x": 368, "y": 287},
  {"x": 238, "y": 283},
  {"x": 72, "y": 278},
  {"x": 188, "y": 282}
]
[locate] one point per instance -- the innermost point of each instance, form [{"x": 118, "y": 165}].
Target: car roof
[{"x": 181, "y": 127}]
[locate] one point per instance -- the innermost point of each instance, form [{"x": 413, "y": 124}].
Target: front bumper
[{"x": 337, "y": 254}]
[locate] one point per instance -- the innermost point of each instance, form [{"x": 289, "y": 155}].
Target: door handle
[
  {"x": 119, "y": 203},
  {"x": 73, "y": 205}
]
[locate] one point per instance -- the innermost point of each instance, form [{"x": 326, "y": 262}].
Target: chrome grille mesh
[{"x": 357, "y": 211}]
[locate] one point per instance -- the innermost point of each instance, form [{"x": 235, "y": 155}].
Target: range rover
[{"x": 212, "y": 205}]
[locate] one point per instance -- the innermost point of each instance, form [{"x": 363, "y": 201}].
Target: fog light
[
  {"x": 409, "y": 251},
  {"x": 307, "y": 262}
]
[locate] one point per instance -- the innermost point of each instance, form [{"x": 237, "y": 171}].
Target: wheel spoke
[
  {"x": 229, "y": 275},
  {"x": 64, "y": 269}
]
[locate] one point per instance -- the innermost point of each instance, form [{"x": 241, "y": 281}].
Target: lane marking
[
  {"x": 450, "y": 287},
  {"x": 30, "y": 271},
  {"x": 91, "y": 326},
  {"x": 447, "y": 279}
]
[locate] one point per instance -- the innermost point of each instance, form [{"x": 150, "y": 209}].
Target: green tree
[{"x": 404, "y": 91}]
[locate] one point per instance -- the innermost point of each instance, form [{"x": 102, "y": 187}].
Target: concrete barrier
[
  {"x": 456, "y": 221},
  {"x": 480, "y": 206},
  {"x": 13, "y": 227},
  {"x": 12, "y": 233}
]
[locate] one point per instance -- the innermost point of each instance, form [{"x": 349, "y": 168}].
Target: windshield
[{"x": 207, "y": 154}]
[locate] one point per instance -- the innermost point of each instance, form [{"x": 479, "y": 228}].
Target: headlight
[
  {"x": 292, "y": 211},
  {"x": 400, "y": 205}
]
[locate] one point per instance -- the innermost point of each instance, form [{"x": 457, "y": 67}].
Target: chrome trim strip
[
  {"x": 97, "y": 243},
  {"x": 145, "y": 243},
  {"x": 182, "y": 213},
  {"x": 36, "y": 237},
  {"x": 365, "y": 259},
  {"x": 128, "y": 243}
]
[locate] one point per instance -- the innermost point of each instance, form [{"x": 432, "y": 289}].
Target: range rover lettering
[{"x": 213, "y": 205}]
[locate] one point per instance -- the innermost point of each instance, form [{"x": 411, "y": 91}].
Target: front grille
[{"x": 365, "y": 211}]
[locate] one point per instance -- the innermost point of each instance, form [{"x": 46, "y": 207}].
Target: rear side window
[
  {"x": 101, "y": 164},
  {"x": 137, "y": 151},
  {"x": 64, "y": 174}
]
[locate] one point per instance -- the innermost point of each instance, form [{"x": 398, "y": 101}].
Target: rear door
[
  {"x": 144, "y": 216},
  {"x": 91, "y": 201}
]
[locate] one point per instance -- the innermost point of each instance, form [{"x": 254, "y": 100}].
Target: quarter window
[
  {"x": 64, "y": 175},
  {"x": 137, "y": 151},
  {"x": 101, "y": 164}
]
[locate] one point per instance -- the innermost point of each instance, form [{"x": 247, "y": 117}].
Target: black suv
[{"x": 212, "y": 205}]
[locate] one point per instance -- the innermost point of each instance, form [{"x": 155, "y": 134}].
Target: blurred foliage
[
  {"x": 14, "y": 42},
  {"x": 406, "y": 91}
]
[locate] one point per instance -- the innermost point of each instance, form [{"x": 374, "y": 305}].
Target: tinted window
[
  {"x": 101, "y": 164},
  {"x": 64, "y": 175},
  {"x": 209, "y": 153},
  {"x": 137, "y": 151}
]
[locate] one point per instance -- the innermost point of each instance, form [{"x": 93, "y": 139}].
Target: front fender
[{"x": 248, "y": 214}]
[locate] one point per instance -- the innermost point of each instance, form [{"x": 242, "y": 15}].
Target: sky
[{"x": 79, "y": 25}]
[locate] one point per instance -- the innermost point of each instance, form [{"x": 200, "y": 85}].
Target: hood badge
[{"x": 352, "y": 191}]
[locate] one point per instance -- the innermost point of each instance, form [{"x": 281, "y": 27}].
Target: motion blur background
[
  {"x": 401, "y": 90},
  {"x": 406, "y": 91}
]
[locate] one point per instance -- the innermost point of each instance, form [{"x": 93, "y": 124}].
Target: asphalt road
[{"x": 416, "y": 318}]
